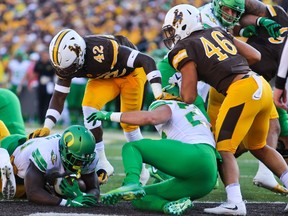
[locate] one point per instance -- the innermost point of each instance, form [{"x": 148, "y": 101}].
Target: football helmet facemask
[
  {"x": 226, "y": 19},
  {"x": 180, "y": 21},
  {"x": 76, "y": 147},
  {"x": 67, "y": 50}
]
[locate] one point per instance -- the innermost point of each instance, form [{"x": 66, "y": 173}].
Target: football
[{"x": 57, "y": 189}]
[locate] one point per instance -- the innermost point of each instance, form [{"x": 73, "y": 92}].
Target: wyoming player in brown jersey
[
  {"x": 217, "y": 58},
  {"x": 114, "y": 67}
]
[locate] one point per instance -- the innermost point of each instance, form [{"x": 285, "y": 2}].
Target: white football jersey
[
  {"x": 208, "y": 18},
  {"x": 44, "y": 153},
  {"x": 187, "y": 123}
]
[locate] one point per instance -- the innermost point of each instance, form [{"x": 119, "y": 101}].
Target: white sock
[
  {"x": 234, "y": 193},
  {"x": 265, "y": 173},
  {"x": 100, "y": 150},
  {"x": 133, "y": 135},
  {"x": 284, "y": 178}
]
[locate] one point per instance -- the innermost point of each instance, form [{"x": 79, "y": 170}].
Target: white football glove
[{"x": 176, "y": 79}]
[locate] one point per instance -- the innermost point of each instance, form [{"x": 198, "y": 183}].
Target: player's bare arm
[
  {"x": 256, "y": 8},
  {"x": 189, "y": 82},
  {"x": 250, "y": 53},
  {"x": 34, "y": 181},
  {"x": 92, "y": 185}
]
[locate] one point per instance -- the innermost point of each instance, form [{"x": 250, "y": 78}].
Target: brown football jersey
[
  {"x": 269, "y": 47},
  {"x": 106, "y": 57},
  {"x": 216, "y": 57}
]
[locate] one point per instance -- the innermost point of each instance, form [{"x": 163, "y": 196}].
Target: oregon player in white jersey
[
  {"x": 187, "y": 147},
  {"x": 41, "y": 159}
]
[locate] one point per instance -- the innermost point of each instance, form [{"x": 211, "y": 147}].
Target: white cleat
[
  {"x": 8, "y": 182},
  {"x": 144, "y": 176},
  {"x": 228, "y": 209},
  {"x": 270, "y": 184},
  {"x": 104, "y": 170}
]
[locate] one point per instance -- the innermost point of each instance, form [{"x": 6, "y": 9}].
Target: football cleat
[
  {"x": 126, "y": 193},
  {"x": 104, "y": 171},
  {"x": 269, "y": 182},
  {"x": 279, "y": 189},
  {"x": 8, "y": 182},
  {"x": 177, "y": 207},
  {"x": 228, "y": 209}
]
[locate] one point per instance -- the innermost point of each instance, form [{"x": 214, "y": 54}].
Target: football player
[
  {"x": 185, "y": 131},
  {"x": 226, "y": 14},
  {"x": 114, "y": 67},
  {"x": 222, "y": 61},
  {"x": 40, "y": 161}
]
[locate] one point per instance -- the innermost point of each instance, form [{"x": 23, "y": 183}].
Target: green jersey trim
[{"x": 39, "y": 160}]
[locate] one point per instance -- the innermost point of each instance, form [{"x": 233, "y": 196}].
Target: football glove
[
  {"x": 42, "y": 132},
  {"x": 176, "y": 79},
  {"x": 248, "y": 31},
  {"x": 99, "y": 115},
  {"x": 167, "y": 96},
  {"x": 86, "y": 200},
  {"x": 272, "y": 27},
  {"x": 68, "y": 190}
]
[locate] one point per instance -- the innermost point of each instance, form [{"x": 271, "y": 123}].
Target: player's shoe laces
[
  {"x": 228, "y": 209},
  {"x": 8, "y": 182},
  {"x": 144, "y": 176},
  {"x": 270, "y": 184},
  {"x": 177, "y": 207},
  {"x": 104, "y": 170},
  {"x": 126, "y": 193}
]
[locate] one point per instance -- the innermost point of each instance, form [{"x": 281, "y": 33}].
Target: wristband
[
  {"x": 62, "y": 89},
  {"x": 116, "y": 116},
  {"x": 131, "y": 58},
  {"x": 54, "y": 113},
  {"x": 153, "y": 74},
  {"x": 258, "y": 21},
  {"x": 63, "y": 202},
  {"x": 241, "y": 32}
]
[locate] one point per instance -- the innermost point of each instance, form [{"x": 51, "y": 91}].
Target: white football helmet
[
  {"x": 67, "y": 50},
  {"x": 180, "y": 21}
]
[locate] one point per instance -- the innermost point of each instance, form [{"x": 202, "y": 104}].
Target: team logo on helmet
[
  {"x": 68, "y": 139},
  {"x": 77, "y": 49},
  {"x": 178, "y": 18}
]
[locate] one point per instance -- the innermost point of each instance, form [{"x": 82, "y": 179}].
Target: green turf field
[{"x": 247, "y": 163}]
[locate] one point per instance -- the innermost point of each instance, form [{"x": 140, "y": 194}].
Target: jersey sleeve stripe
[
  {"x": 115, "y": 52},
  {"x": 271, "y": 10},
  {"x": 177, "y": 58},
  {"x": 39, "y": 160}
]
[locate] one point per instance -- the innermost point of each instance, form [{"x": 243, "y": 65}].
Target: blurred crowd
[{"x": 27, "y": 27}]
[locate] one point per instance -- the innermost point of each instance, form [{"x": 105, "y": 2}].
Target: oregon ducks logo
[
  {"x": 69, "y": 139},
  {"x": 177, "y": 18}
]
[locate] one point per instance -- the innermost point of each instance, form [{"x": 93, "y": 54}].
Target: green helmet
[
  {"x": 172, "y": 89},
  {"x": 76, "y": 147},
  {"x": 226, "y": 19}
]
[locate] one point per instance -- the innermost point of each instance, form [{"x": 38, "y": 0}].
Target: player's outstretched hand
[
  {"x": 42, "y": 132},
  {"x": 100, "y": 115}
]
